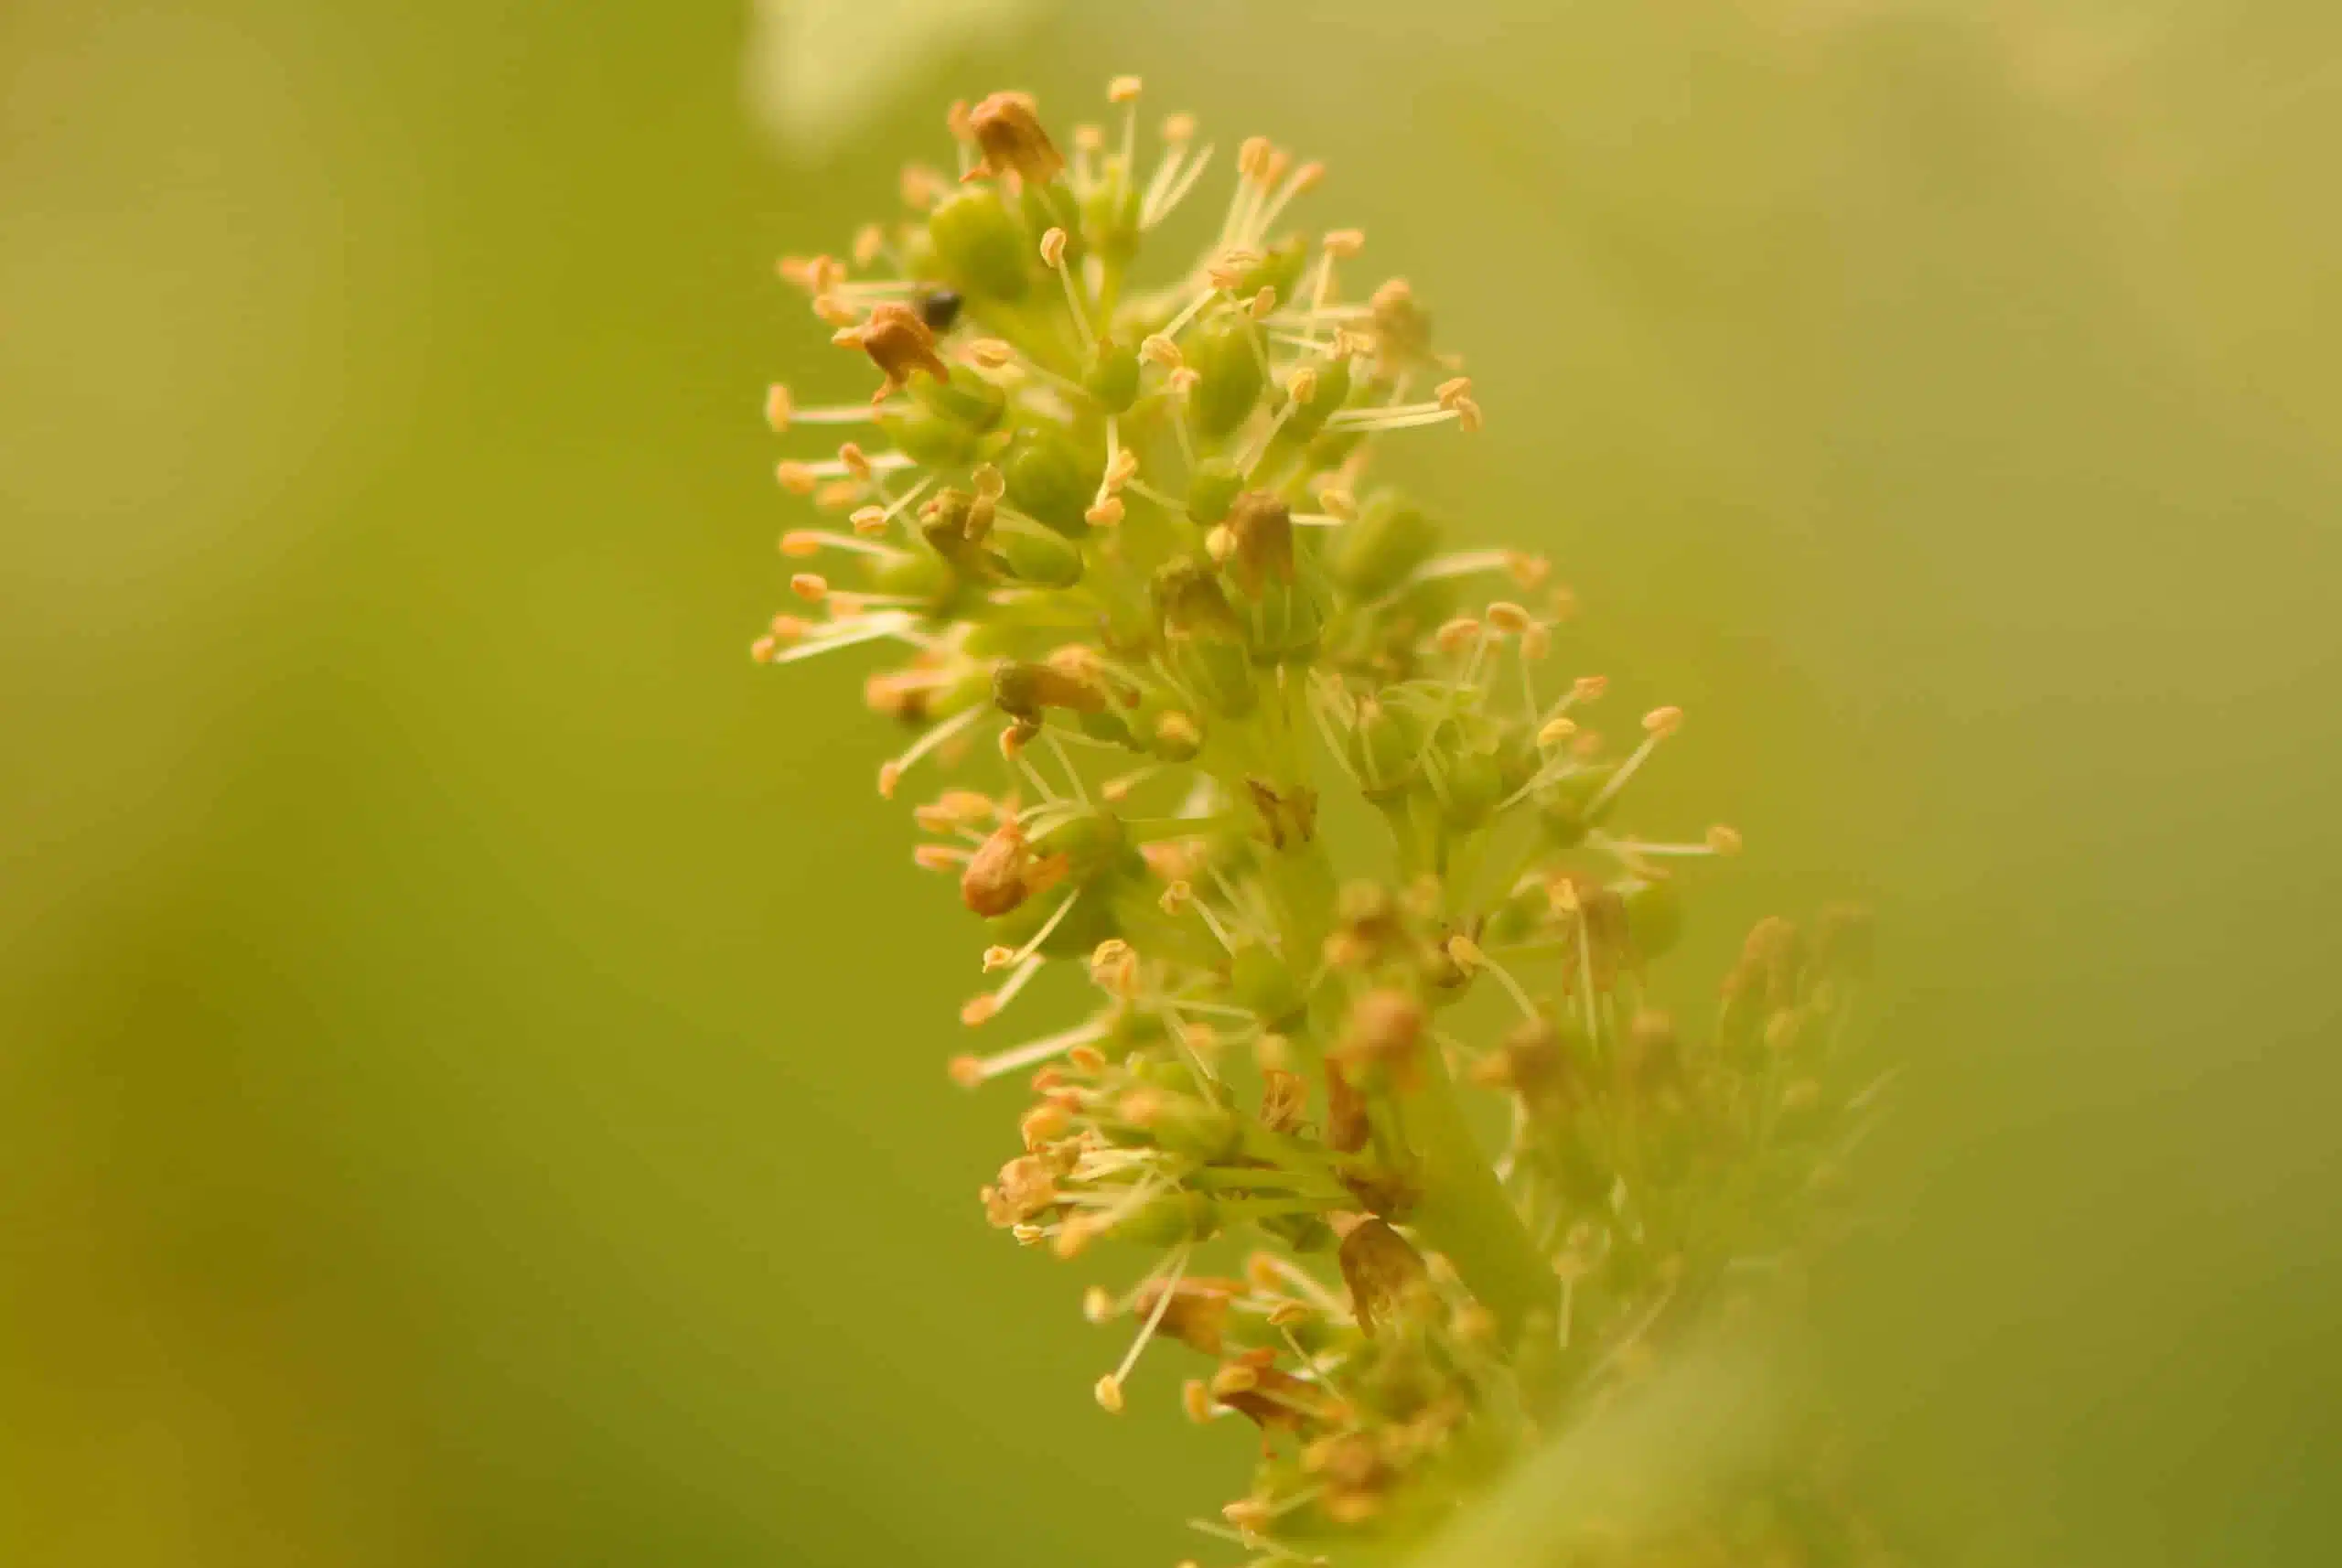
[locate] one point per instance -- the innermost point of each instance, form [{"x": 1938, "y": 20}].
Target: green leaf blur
[{"x": 471, "y": 1044}]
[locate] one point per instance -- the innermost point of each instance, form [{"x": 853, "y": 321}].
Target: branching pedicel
[{"x": 1135, "y": 527}]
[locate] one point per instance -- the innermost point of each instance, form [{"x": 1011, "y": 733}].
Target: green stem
[{"x": 1464, "y": 1212}]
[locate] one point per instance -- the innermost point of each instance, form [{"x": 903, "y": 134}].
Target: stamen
[
  {"x": 890, "y": 774},
  {"x": 1057, "y": 748},
  {"x": 970, "y": 1071},
  {"x": 984, "y": 1008},
  {"x": 1469, "y": 956},
  {"x": 1658, "y": 725},
  {"x": 1403, "y": 416},
  {"x": 831, "y": 636},
  {"x": 1304, "y": 180},
  {"x": 1124, "y": 91},
  {"x": 1188, "y": 313},
  {"x": 799, "y": 477},
  {"x": 1117, "y": 790},
  {"x": 1053, "y": 244},
  {"x": 1565, "y": 894},
  {"x": 804, "y": 542},
  {"x": 1154, "y": 212},
  {"x": 1212, "y": 920},
  {"x": 1110, "y": 1387},
  {"x": 1049, "y": 929},
  {"x": 1033, "y": 777}
]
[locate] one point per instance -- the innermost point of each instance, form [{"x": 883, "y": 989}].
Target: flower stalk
[{"x": 1116, "y": 558}]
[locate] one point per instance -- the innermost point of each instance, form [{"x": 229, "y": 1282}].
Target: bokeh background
[{"x": 470, "y": 1041}]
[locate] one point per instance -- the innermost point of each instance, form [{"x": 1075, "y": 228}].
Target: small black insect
[{"x": 938, "y": 308}]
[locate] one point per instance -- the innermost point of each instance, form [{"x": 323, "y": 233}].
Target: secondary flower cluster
[{"x": 1154, "y": 630}]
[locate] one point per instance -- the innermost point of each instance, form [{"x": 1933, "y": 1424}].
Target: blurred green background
[{"x": 471, "y": 1043}]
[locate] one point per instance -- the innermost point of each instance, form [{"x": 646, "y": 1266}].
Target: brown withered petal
[
  {"x": 1285, "y": 1099},
  {"x": 1007, "y": 126},
  {"x": 1274, "y": 1400},
  {"x": 1346, "y": 1126},
  {"x": 1263, "y": 525},
  {"x": 1382, "y": 1270},
  {"x": 995, "y": 882},
  {"x": 898, "y": 342},
  {"x": 1026, "y": 1187},
  {"x": 1196, "y": 1313}
]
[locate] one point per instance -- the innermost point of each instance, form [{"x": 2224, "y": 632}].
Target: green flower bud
[
  {"x": 937, "y": 440},
  {"x": 1212, "y": 488},
  {"x": 1221, "y": 673},
  {"x": 980, "y": 245},
  {"x": 1111, "y": 728},
  {"x": 1374, "y": 554},
  {"x": 914, "y": 576},
  {"x": 1110, "y": 218},
  {"x": 1329, "y": 389},
  {"x": 1384, "y": 746},
  {"x": 1043, "y": 560},
  {"x": 1113, "y": 378},
  {"x": 966, "y": 398},
  {"x": 1562, "y": 806},
  {"x": 1183, "y": 1124},
  {"x": 954, "y": 525},
  {"x": 1518, "y": 918},
  {"x": 1474, "y": 786},
  {"x": 1132, "y": 1033},
  {"x": 1170, "y": 1219},
  {"x": 1091, "y": 842},
  {"x": 1052, "y": 479},
  {"x": 1259, "y": 981},
  {"x": 1280, "y": 269},
  {"x": 1516, "y": 761},
  {"x": 1654, "y": 917},
  {"x": 1285, "y": 623},
  {"x": 1225, "y": 353}
]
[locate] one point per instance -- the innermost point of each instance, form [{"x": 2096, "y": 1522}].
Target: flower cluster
[{"x": 1124, "y": 548}]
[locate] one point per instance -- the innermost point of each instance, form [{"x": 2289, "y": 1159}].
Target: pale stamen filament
[
  {"x": 1188, "y": 311},
  {"x": 1628, "y": 848},
  {"x": 970, "y": 1071},
  {"x": 990, "y": 1005},
  {"x": 1156, "y": 212},
  {"x": 1057, "y": 748},
  {"x": 1303, "y": 176},
  {"x": 1398, "y": 416},
  {"x": 1040, "y": 784},
  {"x": 1112, "y": 1386},
  {"x": 1618, "y": 782},
  {"x": 1303, "y": 1284},
  {"x": 822, "y": 639},
  {"x": 943, "y": 734},
  {"x": 1049, "y": 929},
  {"x": 802, "y": 542}
]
